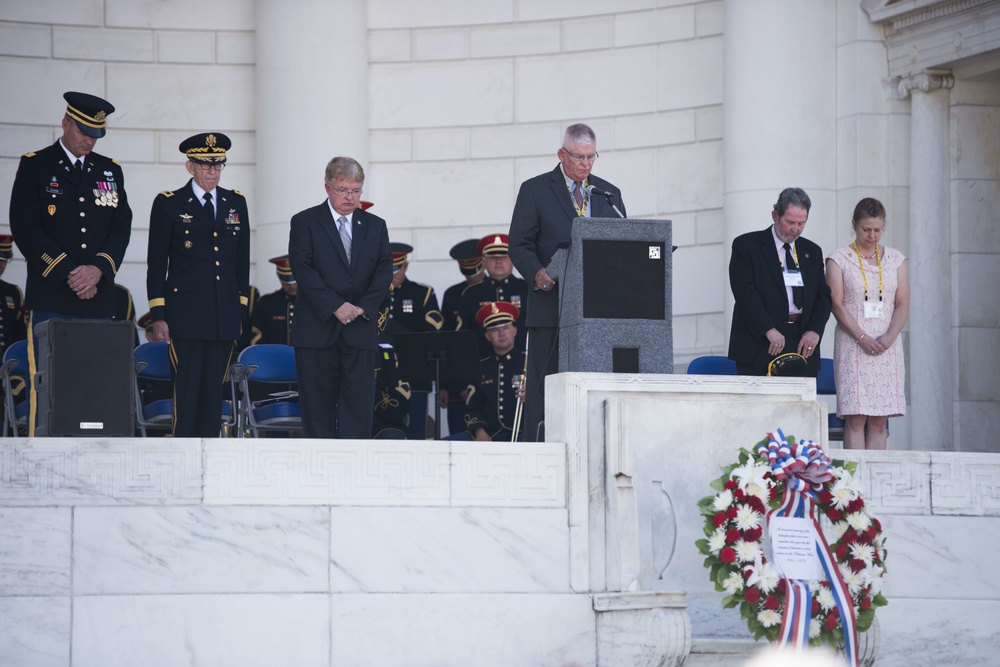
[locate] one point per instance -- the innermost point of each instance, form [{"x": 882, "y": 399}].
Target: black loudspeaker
[
  {"x": 84, "y": 378},
  {"x": 623, "y": 279}
]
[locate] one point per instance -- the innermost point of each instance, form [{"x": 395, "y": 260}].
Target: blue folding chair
[
  {"x": 825, "y": 386},
  {"x": 152, "y": 364},
  {"x": 711, "y": 365},
  {"x": 15, "y": 375},
  {"x": 268, "y": 364}
]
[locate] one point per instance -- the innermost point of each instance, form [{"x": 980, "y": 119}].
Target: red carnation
[
  {"x": 727, "y": 555},
  {"x": 771, "y": 602},
  {"x": 731, "y": 484},
  {"x": 782, "y": 587},
  {"x": 815, "y": 608},
  {"x": 772, "y": 493},
  {"x": 851, "y": 537},
  {"x": 834, "y": 514},
  {"x": 731, "y": 512},
  {"x": 752, "y": 595},
  {"x": 841, "y": 551},
  {"x": 719, "y": 519},
  {"x": 752, "y": 535},
  {"x": 732, "y": 535},
  {"x": 756, "y": 504},
  {"x": 866, "y": 603},
  {"x": 866, "y": 537},
  {"x": 825, "y": 496},
  {"x": 856, "y": 564},
  {"x": 739, "y": 494},
  {"x": 831, "y": 621},
  {"x": 855, "y": 505},
  {"x": 876, "y": 525}
]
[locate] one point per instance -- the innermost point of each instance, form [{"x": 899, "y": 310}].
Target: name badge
[
  {"x": 874, "y": 310},
  {"x": 793, "y": 279}
]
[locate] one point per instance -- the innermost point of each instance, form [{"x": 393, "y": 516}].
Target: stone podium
[{"x": 615, "y": 299}]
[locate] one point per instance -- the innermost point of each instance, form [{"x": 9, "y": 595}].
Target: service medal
[{"x": 52, "y": 209}]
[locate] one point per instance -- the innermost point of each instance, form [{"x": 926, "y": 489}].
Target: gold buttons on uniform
[
  {"x": 82, "y": 214},
  {"x": 83, "y": 245},
  {"x": 83, "y": 230},
  {"x": 81, "y": 198},
  {"x": 216, "y": 248},
  {"x": 215, "y": 233},
  {"x": 218, "y": 278},
  {"x": 217, "y": 264}
]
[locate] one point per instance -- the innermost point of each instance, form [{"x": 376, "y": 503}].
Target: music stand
[{"x": 434, "y": 356}]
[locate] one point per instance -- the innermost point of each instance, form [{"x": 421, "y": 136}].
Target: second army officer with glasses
[{"x": 198, "y": 282}]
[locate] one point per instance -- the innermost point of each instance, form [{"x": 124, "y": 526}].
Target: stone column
[
  {"x": 779, "y": 117},
  {"x": 932, "y": 345},
  {"x": 312, "y": 105}
]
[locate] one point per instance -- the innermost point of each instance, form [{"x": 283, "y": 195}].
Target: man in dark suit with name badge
[
  {"x": 542, "y": 220},
  {"x": 340, "y": 257},
  {"x": 70, "y": 218},
  {"x": 782, "y": 298},
  {"x": 198, "y": 282}
]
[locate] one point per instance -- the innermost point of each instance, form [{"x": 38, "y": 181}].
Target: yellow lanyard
[
  {"x": 581, "y": 211},
  {"x": 795, "y": 257},
  {"x": 864, "y": 274}
]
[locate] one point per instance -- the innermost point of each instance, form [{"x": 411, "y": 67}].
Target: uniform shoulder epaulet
[
  {"x": 116, "y": 162},
  {"x": 238, "y": 192},
  {"x": 30, "y": 154},
  {"x": 167, "y": 193}
]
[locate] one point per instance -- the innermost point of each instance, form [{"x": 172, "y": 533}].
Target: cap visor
[{"x": 94, "y": 132}]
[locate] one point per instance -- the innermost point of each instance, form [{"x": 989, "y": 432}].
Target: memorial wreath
[{"x": 785, "y": 478}]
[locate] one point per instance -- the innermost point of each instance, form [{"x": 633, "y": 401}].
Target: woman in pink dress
[{"x": 871, "y": 300}]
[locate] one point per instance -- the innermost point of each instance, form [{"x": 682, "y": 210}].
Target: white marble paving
[
  {"x": 935, "y": 632},
  {"x": 142, "y": 550},
  {"x": 34, "y": 551},
  {"x": 463, "y": 630},
  {"x": 34, "y": 631},
  {"x": 216, "y": 630},
  {"x": 439, "y": 550}
]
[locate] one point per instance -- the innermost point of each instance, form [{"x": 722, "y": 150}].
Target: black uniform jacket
[
  {"x": 62, "y": 219},
  {"x": 198, "y": 268},
  {"x": 492, "y": 404}
]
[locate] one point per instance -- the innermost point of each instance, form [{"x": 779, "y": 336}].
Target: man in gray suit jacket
[
  {"x": 543, "y": 218},
  {"x": 340, "y": 257}
]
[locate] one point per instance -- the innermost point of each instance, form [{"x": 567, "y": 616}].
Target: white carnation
[
  {"x": 825, "y": 598},
  {"x": 723, "y": 501},
  {"x": 769, "y": 618},
  {"x": 733, "y": 583},
  {"x": 747, "y": 551},
  {"x": 859, "y": 521},
  {"x": 717, "y": 541},
  {"x": 747, "y": 518}
]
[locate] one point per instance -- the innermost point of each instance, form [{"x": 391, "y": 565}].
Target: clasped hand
[{"x": 348, "y": 312}]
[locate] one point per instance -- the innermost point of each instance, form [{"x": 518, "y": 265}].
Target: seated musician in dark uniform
[{"x": 491, "y": 410}]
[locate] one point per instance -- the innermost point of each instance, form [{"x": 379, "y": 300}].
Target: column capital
[{"x": 924, "y": 82}]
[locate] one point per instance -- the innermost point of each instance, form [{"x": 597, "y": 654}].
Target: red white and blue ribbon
[{"x": 805, "y": 468}]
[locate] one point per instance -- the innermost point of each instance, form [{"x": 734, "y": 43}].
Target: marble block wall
[
  {"x": 171, "y": 552},
  {"x": 642, "y": 451}
]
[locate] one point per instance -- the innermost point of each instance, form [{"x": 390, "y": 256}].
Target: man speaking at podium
[{"x": 543, "y": 218}]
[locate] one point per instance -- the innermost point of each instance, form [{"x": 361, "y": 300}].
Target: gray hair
[
  {"x": 344, "y": 167},
  {"x": 578, "y": 133},
  {"x": 792, "y": 197}
]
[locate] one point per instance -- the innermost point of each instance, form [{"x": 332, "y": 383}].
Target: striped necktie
[{"x": 345, "y": 237}]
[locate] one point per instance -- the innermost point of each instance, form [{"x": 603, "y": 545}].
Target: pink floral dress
[{"x": 868, "y": 384}]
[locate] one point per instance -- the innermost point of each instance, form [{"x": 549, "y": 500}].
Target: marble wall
[{"x": 346, "y": 554}]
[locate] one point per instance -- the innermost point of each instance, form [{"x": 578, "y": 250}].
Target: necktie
[
  {"x": 208, "y": 204},
  {"x": 79, "y": 165},
  {"x": 578, "y": 195},
  {"x": 789, "y": 265},
  {"x": 345, "y": 237}
]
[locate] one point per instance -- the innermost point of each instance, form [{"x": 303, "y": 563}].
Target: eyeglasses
[
  {"x": 343, "y": 192},
  {"x": 583, "y": 158},
  {"x": 210, "y": 166}
]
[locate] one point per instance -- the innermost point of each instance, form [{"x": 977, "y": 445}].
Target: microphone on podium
[{"x": 593, "y": 190}]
